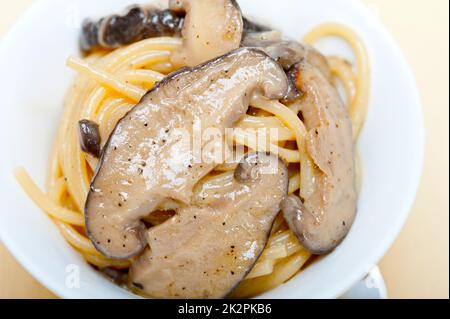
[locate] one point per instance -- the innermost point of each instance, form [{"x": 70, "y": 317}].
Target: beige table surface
[{"x": 417, "y": 265}]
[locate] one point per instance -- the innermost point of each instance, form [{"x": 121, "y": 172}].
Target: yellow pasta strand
[
  {"x": 74, "y": 238},
  {"x": 104, "y": 78},
  {"x": 251, "y": 141},
  {"x": 102, "y": 262},
  {"x": 282, "y": 272},
  {"x": 293, "y": 122},
  {"x": 44, "y": 202}
]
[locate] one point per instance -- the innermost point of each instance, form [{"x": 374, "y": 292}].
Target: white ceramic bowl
[{"x": 34, "y": 79}]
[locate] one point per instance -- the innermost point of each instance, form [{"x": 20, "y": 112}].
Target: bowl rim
[{"x": 374, "y": 255}]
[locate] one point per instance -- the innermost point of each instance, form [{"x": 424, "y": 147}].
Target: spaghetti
[{"x": 111, "y": 83}]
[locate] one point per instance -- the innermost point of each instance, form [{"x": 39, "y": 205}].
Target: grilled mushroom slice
[
  {"x": 211, "y": 28},
  {"x": 327, "y": 213},
  {"x": 205, "y": 250},
  {"x": 146, "y": 160},
  {"x": 135, "y": 24}
]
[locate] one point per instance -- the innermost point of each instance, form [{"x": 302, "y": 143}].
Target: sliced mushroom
[
  {"x": 89, "y": 136},
  {"x": 327, "y": 213},
  {"x": 208, "y": 248},
  {"x": 147, "y": 162},
  {"x": 211, "y": 28},
  {"x": 135, "y": 24}
]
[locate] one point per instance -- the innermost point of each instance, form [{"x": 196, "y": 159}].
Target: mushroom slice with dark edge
[
  {"x": 146, "y": 160},
  {"x": 207, "y": 248},
  {"x": 327, "y": 213},
  {"x": 89, "y": 136},
  {"x": 135, "y": 24},
  {"x": 211, "y": 28}
]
